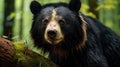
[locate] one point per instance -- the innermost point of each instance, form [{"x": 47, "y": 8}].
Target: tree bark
[
  {"x": 6, "y": 53},
  {"x": 18, "y": 55}
]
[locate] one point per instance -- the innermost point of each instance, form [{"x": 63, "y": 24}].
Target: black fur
[{"x": 102, "y": 48}]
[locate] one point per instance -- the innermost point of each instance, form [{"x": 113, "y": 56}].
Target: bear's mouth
[{"x": 54, "y": 41}]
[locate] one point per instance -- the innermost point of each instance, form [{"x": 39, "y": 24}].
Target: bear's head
[{"x": 58, "y": 26}]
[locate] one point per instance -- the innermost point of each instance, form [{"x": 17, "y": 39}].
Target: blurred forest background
[{"x": 16, "y": 18}]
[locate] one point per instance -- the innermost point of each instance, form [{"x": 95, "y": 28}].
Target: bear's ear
[
  {"x": 35, "y": 7},
  {"x": 75, "y": 5}
]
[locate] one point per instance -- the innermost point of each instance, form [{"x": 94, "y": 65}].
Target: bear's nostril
[{"x": 52, "y": 34}]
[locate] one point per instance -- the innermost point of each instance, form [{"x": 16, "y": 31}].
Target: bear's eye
[
  {"x": 45, "y": 21},
  {"x": 62, "y": 22}
]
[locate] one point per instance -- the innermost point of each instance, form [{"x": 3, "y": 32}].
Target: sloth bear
[{"x": 71, "y": 38}]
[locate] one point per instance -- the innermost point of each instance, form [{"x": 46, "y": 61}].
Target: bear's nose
[{"x": 52, "y": 34}]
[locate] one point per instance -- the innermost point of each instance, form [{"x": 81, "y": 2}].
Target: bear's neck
[{"x": 58, "y": 54}]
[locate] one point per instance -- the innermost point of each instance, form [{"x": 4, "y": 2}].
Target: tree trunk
[
  {"x": 8, "y": 21},
  {"x": 21, "y": 20},
  {"x": 93, "y": 5},
  {"x": 6, "y": 51},
  {"x": 18, "y": 55},
  {"x": 118, "y": 16}
]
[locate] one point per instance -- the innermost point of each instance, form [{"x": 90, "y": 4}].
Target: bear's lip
[{"x": 54, "y": 41}]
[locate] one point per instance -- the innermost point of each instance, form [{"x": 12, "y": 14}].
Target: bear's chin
[{"x": 54, "y": 42}]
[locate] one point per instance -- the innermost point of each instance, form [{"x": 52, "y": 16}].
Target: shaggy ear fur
[
  {"x": 35, "y": 7},
  {"x": 75, "y": 5}
]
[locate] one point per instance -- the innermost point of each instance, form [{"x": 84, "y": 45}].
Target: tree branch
[{"x": 18, "y": 55}]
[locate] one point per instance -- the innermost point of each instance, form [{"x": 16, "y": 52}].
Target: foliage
[
  {"x": 107, "y": 4},
  {"x": 1, "y": 16},
  {"x": 109, "y": 14},
  {"x": 85, "y": 11}
]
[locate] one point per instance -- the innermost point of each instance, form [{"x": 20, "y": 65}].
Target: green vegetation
[{"x": 107, "y": 11}]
